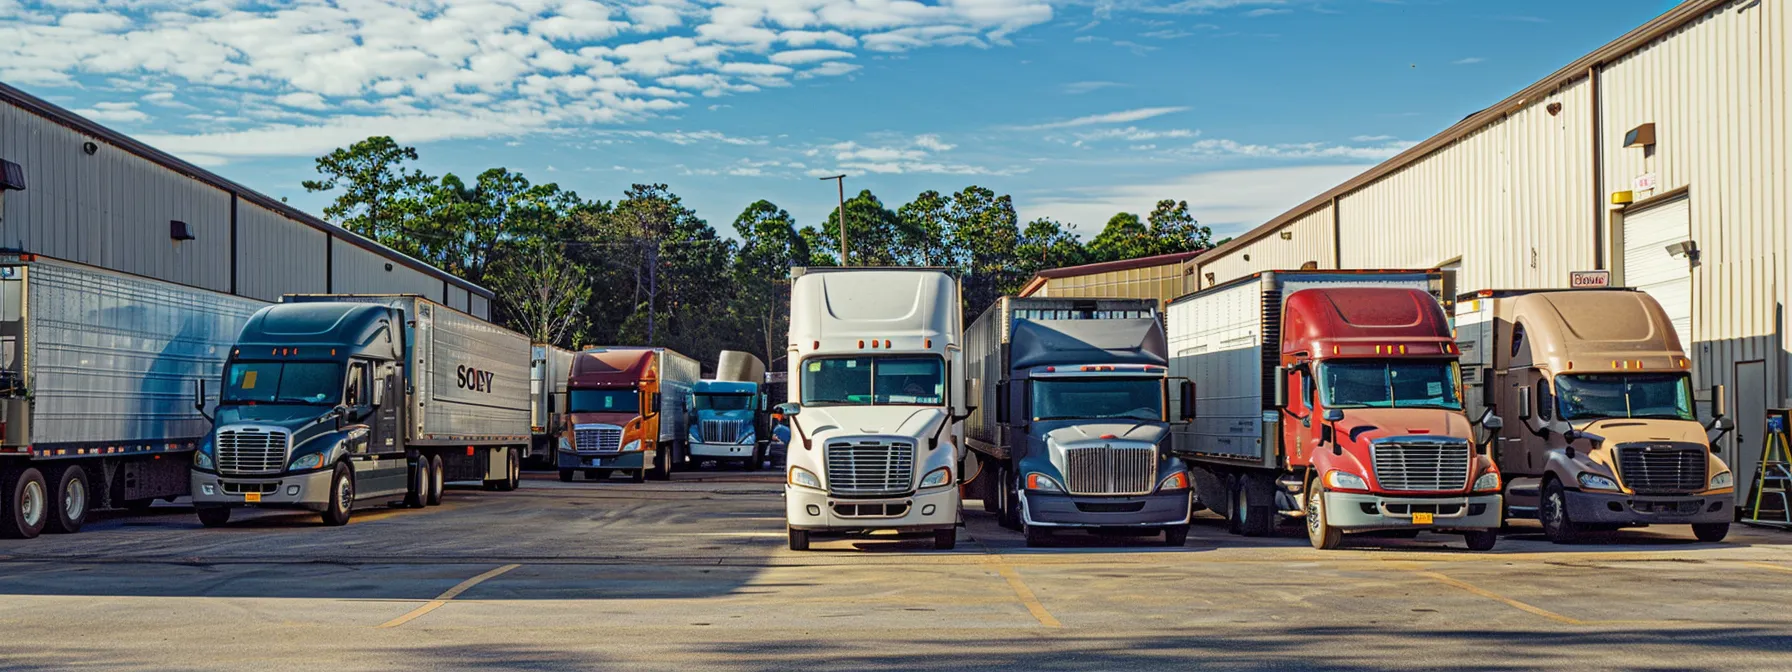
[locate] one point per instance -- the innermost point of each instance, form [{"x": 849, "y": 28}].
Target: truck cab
[
  {"x": 1598, "y": 424},
  {"x": 725, "y": 422},
  {"x": 625, "y": 411}
]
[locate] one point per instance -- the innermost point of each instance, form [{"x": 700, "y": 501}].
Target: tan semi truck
[{"x": 1593, "y": 397}]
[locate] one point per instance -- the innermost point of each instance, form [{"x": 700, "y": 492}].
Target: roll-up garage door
[{"x": 1649, "y": 266}]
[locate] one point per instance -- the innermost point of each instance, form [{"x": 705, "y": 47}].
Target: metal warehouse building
[
  {"x": 1158, "y": 277},
  {"x": 1663, "y": 158},
  {"x": 93, "y": 196}
]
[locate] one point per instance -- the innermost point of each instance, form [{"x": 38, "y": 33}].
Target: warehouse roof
[
  {"x": 1105, "y": 267},
  {"x": 1668, "y": 22},
  {"x": 80, "y": 124}
]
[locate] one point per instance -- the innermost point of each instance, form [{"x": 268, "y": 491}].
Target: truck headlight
[
  {"x": 1344, "y": 480},
  {"x": 1596, "y": 482},
  {"x": 937, "y": 477},
  {"x": 803, "y": 478},
  {"x": 565, "y": 447},
  {"x": 1176, "y": 481},
  {"x": 1488, "y": 482},
  {"x": 311, "y": 461},
  {"x": 1723, "y": 480},
  {"x": 631, "y": 446},
  {"x": 1043, "y": 483},
  {"x": 202, "y": 459}
]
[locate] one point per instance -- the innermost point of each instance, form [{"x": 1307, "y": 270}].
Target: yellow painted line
[
  {"x": 1515, "y": 604},
  {"x": 1025, "y": 594},
  {"x": 445, "y": 597},
  {"x": 1763, "y": 565}
]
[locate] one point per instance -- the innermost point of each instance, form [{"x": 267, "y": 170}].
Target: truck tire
[
  {"x": 27, "y": 504},
  {"x": 1038, "y": 537},
  {"x": 70, "y": 501},
  {"x": 1176, "y": 536},
  {"x": 638, "y": 476},
  {"x": 757, "y": 461},
  {"x": 1553, "y": 513},
  {"x": 566, "y": 475},
  {"x": 1009, "y": 516},
  {"x": 799, "y": 539},
  {"x": 1320, "y": 532},
  {"x": 437, "y": 481},
  {"x": 416, "y": 492},
  {"x": 213, "y": 516},
  {"x": 662, "y": 463},
  {"x": 1252, "y": 512},
  {"x": 945, "y": 539},
  {"x": 1711, "y": 533},
  {"x": 1481, "y": 540},
  {"x": 342, "y": 497},
  {"x": 513, "y": 473}
]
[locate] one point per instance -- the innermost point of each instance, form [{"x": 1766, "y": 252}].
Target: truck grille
[
  {"x": 720, "y": 431},
  {"x": 1106, "y": 470},
  {"x": 871, "y": 468},
  {"x": 1421, "y": 467},
  {"x": 1661, "y": 468},
  {"x": 250, "y": 450},
  {"x": 597, "y": 439}
]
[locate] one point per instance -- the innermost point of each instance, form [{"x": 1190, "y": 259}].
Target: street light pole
[{"x": 841, "y": 180}]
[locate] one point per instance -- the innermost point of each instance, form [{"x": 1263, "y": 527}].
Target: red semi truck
[{"x": 1332, "y": 396}]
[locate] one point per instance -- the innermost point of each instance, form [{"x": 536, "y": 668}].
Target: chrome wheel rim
[
  {"x": 345, "y": 494},
  {"x": 1239, "y": 510},
  {"x": 1552, "y": 509},
  {"x": 435, "y": 484},
  {"x": 1315, "y": 514},
  {"x": 31, "y": 503},
  {"x": 74, "y": 499}
]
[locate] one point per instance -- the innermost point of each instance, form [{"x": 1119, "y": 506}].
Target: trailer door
[{"x": 1649, "y": 265}]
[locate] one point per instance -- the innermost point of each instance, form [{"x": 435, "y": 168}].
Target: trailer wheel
[
  {"x": 566, "y": 475},
  {"x": 437, "y": 481},
  {"x": 945, "y": 539},
  {"x": 214, "y": 516},
  {"x": 416, "y": 492},
  {"x": 70, "y": 502},
  {"x": 662, "y": 463},
  {"x": 1252, "y": 515},
  {"x": 342, "y": 497},
  {"x": 27, "y": 504},
  {"x": 799, "y": 540},
  {"x": 513, "y": 471}
]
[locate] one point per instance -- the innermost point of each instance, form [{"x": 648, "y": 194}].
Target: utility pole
[{"x": 841, "y": 180}]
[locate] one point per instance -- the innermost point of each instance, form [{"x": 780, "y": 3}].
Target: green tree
[
  {"x": 1046, "y": 243},
  {"x": 770, "y": 245},
  {"x": 379, "y": 195},
  {"x": 923, "y": 234},
  {"x": 985, "y": 232},
  {"x": 541, "y": 291},
  {"x": 1173, "y": 229},
  {"x": 1125, "y": 237},
  {"x": 871, "y": 232}
]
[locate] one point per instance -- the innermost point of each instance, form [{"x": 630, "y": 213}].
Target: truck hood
[
  {"x": 1107, "y": 431},
  {"x": 745, "y": 414},
  {"x": 823, "y": 423},
  {"x": 1626, "y": 430},
  {"x": 617, "y": 419},
  {"x": 1361, "y": 425}
]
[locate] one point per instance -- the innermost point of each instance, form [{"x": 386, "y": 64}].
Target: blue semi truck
[{"x": 729, "y": 415}]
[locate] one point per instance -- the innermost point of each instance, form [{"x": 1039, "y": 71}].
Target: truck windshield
[
  {"x": 874, "y": 380},
  {"x": 1637, "y": 395},
  {"x": 1389, "y": 384},
  {"x": 1087, "y": 398},
  {"x": 283, "y": 383},
  {"x": 603, "y": 401},
  {"x": 722, "y": 402}
]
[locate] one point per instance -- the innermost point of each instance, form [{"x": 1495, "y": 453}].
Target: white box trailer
[
  {"x": 549, "y": 365},
  {"x": 97, "y": 378}
]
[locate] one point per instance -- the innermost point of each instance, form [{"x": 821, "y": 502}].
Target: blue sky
[{"x": 1079, "y": 109}]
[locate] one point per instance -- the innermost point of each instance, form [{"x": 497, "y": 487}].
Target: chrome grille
[
  {"x": 597, "y": 438},
  {"x": 250, "y": 450},
  {"x": 1106, "y": 470},
  {"x": 720, "y": 431},
  {"x": 871, "y": 468},
  {"x": 1421, "y": 467},
  {"x": 1662, "y": 468}
]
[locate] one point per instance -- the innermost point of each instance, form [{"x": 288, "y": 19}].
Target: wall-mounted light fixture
[
  {"x": 1641, "y": 136},
  {"x": 1685, "y": 248},
  {"x": 388, "y": 267},
  {"x": 1287, "y": 235},
  {"x": 12, "y": 176},
  {"x": 90, "y": 148},
  {"x": 1553, "y": 109},
  {"x": 179, "y": 230}
]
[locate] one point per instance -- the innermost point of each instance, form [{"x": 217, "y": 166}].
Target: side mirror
[
  {"x": 1492, "y": 422},
  {"x": 199, "y": 398},
  {"x": 655, "y": 403},
  {"x": 1281, "y": 386},
  {"x": 1327, "y": 434},
  {"x": 1718, "y": 401},
  {"x": 1333, "y": 415},
  {"x": 1003, "y": 413},
  {"x": 338, "y": 413},
  {"x": 789, "y": 410},
  {"x": 1188, "y": 400},
  {"x": 1722, "y": 425},
  {"x": 1524, "y": 403}
]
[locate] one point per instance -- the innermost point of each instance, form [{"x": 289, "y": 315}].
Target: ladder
[{"x": 1773, "y": 478}]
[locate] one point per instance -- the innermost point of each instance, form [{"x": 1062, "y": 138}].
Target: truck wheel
[
  {"x": 799, "y": 540},
  {"x": 1481, "y": 540},
  {"x": 27, "y": 504},
  {"x": 71, "y": 501},
  {"x": 758, "y": 458},
  {"x": 513, "y": 472},
  {"x": 1320, "y": 532},
  {"x": 1251, "y": 514},
  {"x": 638, "y": 476},
  {"x": 566, "y": 475},
  {"x": 662, "y": 464},
  {"x": 1038, "y": 537},
  {"x": 1710, "y": 533},
  {"x": 437, "y": 481},
  {"x": 416, "y": 491},
  {"x": 1009, "y": 516},
  {"x": 342, "y": 497},
  {"x": 1176, "y": 536},
  {"x": 1557, "y": 526},
  {"x": 214, "y": 516},
  {"x": 945, "y": 539}
]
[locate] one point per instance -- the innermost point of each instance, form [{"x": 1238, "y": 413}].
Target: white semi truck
[{"x": 876, "y": 403}]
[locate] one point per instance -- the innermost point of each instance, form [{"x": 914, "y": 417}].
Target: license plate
[
  {"x": 1422, "y": 518},
  {"x": 252, "y": 497}
]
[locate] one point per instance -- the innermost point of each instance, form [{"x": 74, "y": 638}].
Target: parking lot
[{"x": 693, "y": 574}]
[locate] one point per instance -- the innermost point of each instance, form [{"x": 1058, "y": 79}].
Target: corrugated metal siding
[
  {"x": 358, "y": 271},
  {"x": 276, "y": 255},
  {"x": 111, "y": 209},
  {"x": 1310, "y": 240},
  {"x": 1152, "y": 282}
]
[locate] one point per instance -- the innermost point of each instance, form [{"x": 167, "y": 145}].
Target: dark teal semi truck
[{"x": 333, "y": 402}]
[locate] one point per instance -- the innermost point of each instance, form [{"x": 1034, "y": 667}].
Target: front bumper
[
  {"x": 1622, "y": 509},
  {"x": 807, "y": 509},
  {"x": 629, "y": 461},
  {"x": 1357, "y": 512},
  {"x": 310, "y": 491},
  {"x": 1154, "y": 510},
  {"x": 722, "y": 450}
]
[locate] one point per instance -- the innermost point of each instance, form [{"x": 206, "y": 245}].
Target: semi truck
[
  {"x": 876, "y": 380},
  {"x": 1071, "y": 428},
  {"x": 95, "y": 368},
  {"x": 549, "y": 366},
  {"x": 1595, "y": 397},
  {"x": 730, "y": 419},
  {"x": 330, "y": 402},
  {"x": 1332, "y": 397},
  {"x": 625, "y": 411}
]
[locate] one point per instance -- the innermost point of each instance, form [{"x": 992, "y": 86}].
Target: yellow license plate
[
  {"x": 1417, "y": 518},
  {"x": 253, "y": 497}
]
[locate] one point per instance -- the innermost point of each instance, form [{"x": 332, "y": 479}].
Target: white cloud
[
  {"x": 1266, "y": 11},
  {"x": 805, "y": 56},
  {"x": 303, "y": 99},
  {"x": 932, "y": 143},
  {"x": 1231, "y": 201},
  {"x": 114, "y": 112},
  {"x": 1120, "y": 117},
  {"x": 1136, "y": 134},
  {"x": 1295, "y": 150},
  {"x": 1089, "y": 87},
  {"x": 1371, "y": 138},
  {"x": 1469, "y": 61}
]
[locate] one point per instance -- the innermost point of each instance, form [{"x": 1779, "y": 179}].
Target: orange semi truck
[{"x": 625, "y": 411}]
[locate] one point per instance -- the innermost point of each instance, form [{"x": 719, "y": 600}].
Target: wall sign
[{"x": 1589, "y": 279}]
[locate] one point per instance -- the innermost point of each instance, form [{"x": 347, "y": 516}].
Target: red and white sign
[
  {"x": 1589, "y": 279},
  {"x": 1644, "y": 182}
]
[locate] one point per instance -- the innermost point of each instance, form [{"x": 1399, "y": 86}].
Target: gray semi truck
[
  {"x": 333, "y": 402},
  {"x": 1072, "y": 427}
]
